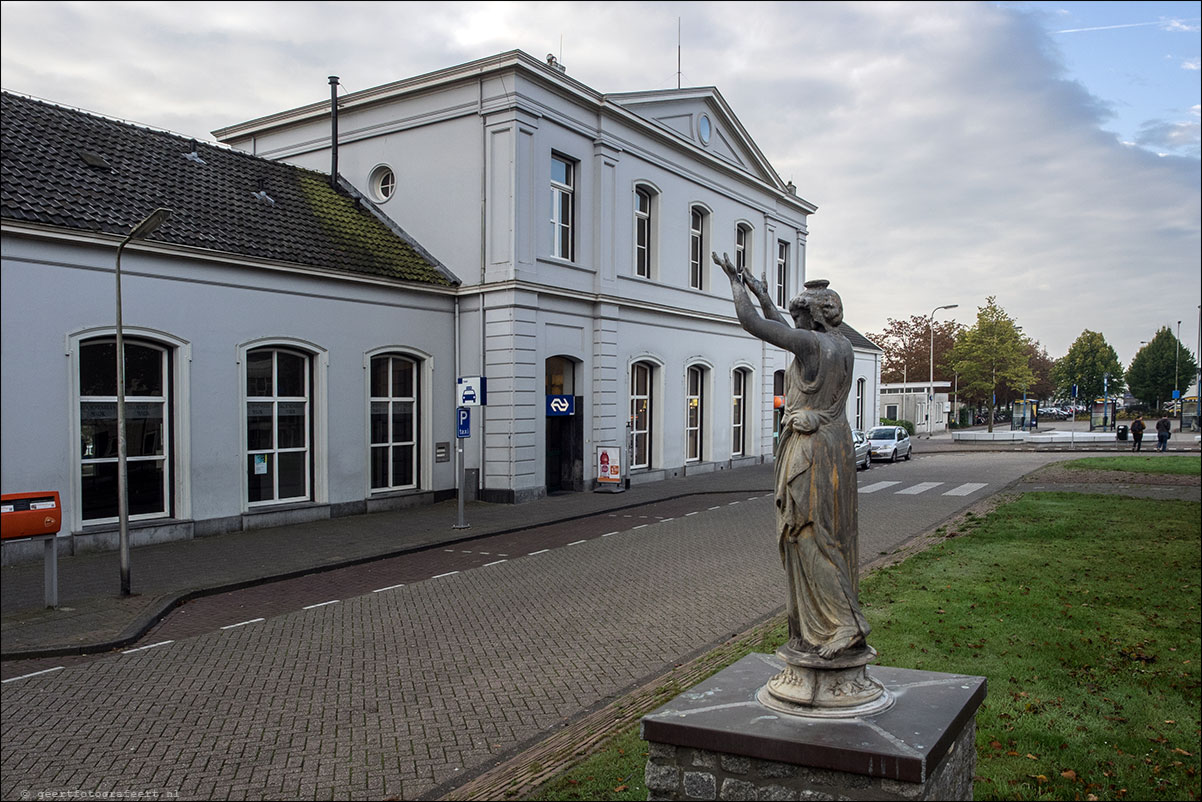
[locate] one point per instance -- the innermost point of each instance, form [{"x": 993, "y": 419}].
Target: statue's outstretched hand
[
  {"x": 727, "y": 267},
  {"x": 757, "y": 285}
]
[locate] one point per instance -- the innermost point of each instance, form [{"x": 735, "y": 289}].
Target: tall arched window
[
  {"x": 698, "y": 220},
  {"x": 738, "y": 412},
  {"x": 861, "y": 389},
  {"x": 395, "y": 422},
  {"x": 279, "y": 464},
  {"x": 642, "y": 402},
  {"x": 148, "y": 429},
  {"x": 742, "y": 246},
  {"x": 694, "y": 413},
  {"x": 644, "y": 232}
]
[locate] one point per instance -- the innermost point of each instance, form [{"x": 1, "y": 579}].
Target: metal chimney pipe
[{"x": 334, "y": 131}]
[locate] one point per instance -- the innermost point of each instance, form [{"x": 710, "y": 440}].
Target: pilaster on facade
[
  {"x": 609, "y": 420},
  {"x": 510, "y": 178},
  {"x": 605, "y": 163},
  {"x": 511, "y": 447},
  {"x": 771, "y": 360}
]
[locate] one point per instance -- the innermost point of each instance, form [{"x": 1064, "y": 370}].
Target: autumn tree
[
  {"x": 990, "y": 356},
  {"x": 907, "y": 349},
  {"x": 1161, "y": 366},
  {"x": 1086, "y": 365},
  {"x": 1043, "y": 385}
]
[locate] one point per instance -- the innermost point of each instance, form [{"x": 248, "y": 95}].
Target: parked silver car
[
  {"x": 890, "y": 442},
  {"x": 863, "y": 449}
]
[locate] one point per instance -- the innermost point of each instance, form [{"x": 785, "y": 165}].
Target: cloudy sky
[{"x": 1043, "y": 153}]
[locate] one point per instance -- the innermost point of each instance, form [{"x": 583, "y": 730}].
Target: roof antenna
[{"x": 678, "y": 52}]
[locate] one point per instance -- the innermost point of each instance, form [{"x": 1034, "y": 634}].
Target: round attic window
[
  {"x": 704, "y": 129},
  {"x": 383, "y": 183}
]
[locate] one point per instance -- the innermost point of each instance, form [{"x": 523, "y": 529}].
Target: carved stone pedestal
[
  {"x": 717, "y": 741},
  {"x": 835, "y": 688}
]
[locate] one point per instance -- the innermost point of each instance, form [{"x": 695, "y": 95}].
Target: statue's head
[
  {"x": 799, "y": 310},
  {"x": 824, "y": 306}
]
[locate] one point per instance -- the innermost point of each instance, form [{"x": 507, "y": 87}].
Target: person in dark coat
[
  {"x": 1137, "y": 433},
  {"x": 1163, "y": 427}
]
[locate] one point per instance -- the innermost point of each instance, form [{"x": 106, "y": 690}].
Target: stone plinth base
[{"x": 715, "y": 741}]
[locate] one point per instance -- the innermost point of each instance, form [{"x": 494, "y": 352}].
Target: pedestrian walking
[
  {"x": 1137, "y": 433},
  {"x": 1163, "y": 429}
]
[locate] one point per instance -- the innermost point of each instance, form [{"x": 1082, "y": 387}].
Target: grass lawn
[
  {"x": 1083, "y": 613},
  {"x": 1152, "y": 463}
]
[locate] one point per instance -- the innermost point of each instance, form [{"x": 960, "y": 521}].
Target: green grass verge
[
  {"x": 1152, "y": 463},
  {"x": 1083, "y": 613}
]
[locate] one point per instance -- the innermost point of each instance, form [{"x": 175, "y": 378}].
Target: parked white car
[
  {"x": 863, "y": 449},
  {"x": 890, "y": 442}
]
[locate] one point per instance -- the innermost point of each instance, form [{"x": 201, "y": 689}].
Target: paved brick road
[{"x": 393, "y": 693}]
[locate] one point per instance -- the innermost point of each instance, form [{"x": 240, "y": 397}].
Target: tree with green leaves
[
  {"x": 1088, "y": 362},
  {"x": 907, "y": 349},
  {"x": 1151, "y": 375},
  {"x": 991, "y": 356}
]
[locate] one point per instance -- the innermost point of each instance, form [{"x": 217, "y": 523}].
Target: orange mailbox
[{"x": 30, "y": 514}]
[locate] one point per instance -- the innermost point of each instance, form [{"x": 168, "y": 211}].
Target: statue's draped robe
[{"x": 816, "y": 500}]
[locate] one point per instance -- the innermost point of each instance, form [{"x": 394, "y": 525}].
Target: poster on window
[{"x": 260, "y": 464}]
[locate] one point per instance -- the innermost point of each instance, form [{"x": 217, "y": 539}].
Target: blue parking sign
[{"x": 463, "y": 416}]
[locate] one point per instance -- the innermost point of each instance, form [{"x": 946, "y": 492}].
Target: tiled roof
[
  {"x": 70, "y": 169},
  {"x": 858, "y": 340}
]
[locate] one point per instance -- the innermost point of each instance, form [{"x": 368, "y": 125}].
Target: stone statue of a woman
[{"x": 816, "y": 503}]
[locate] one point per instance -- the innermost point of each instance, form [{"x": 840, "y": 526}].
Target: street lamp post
[
  {"x": 1177, "y": 379},
  {"x": 931, "y": 375},
  {"x": 142, "y": 229}
]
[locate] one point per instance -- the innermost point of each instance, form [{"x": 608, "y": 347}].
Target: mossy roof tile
[{"x": 220, "y": 205}]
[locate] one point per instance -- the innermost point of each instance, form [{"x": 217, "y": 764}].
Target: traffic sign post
[{"x": 463, "y": 430}]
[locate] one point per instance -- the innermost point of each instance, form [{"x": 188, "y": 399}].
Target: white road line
[
  {"x": 607, "y": 534},
  {"x": 495, "y": 562},
  {"x": 390, "y": 587},
  {"x": 641, "y": 526},
  {"x": 448, "y": 573},
  {"x": 878, "y": 486},
  {"x": 541, "y": 551},
  {"x": 965, "y": 489},
  {"x": 34, "y": 674},
  {"x": 921, "y": 487},
  {"x": 577, "y": 542},
  {"x": 665, "y": 520},
  {"x": 321, "y": 604},
  {"x": 731, "y": 504},
  {"x": 716, "y": 508},
  {"x": 243, "y": 623},
  {"x": 151, "y": 646}
]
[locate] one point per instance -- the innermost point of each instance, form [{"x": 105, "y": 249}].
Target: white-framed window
[
  {"x": 782, "y": 274},
  {"x": 643, "y": 232},
  {"x": 742, "y": 246},
  {"x": 394, "y": 417},
  {"x": 694, "y": 413},
  {"x": 382, "y": 183},
  {"x": 738, "y": 412},
  {"x": 563, "y": 207},
  {"x": 642, "y": 400},
  {"x": 861, "y": 389},
  {"x": 698, "y": 223},
  {"x": 279, "y": 426},
  {"x": 148, "y": 429}
]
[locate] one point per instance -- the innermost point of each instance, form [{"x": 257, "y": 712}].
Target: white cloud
[{"x": 949, "y": 155}]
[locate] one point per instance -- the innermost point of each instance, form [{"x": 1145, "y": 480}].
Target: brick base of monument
[{"x": 715, "y": 741}]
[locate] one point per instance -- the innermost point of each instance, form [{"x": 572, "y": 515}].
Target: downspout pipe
[{"x": 334, "y": 131}]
